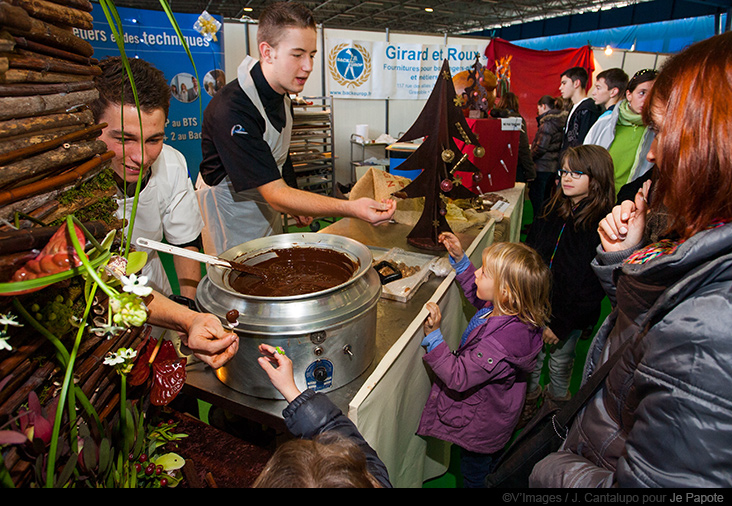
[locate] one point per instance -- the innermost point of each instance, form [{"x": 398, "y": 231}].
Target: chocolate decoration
[
  {"x": 442, "y": 124},
  {"x": 295, "y": 271},
  {"x": 232, "y": 316}
]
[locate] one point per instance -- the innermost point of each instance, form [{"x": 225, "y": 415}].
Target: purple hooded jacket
[{"x": 479, "y": 390}]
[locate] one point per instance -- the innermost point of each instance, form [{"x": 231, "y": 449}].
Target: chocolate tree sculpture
[{"x": 441, "y": 122}]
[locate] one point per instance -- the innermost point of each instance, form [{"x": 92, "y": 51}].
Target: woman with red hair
[{"x": 664, "y": 413}]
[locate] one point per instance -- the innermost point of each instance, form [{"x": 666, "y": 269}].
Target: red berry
[
  {"x": 143, "y": 457},
  {"x": 163, "y": 482}
]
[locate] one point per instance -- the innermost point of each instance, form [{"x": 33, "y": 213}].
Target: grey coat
[{"x": 663, "y": 417}]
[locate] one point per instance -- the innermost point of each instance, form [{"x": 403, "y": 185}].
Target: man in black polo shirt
[{"x": 248, "y": 175}]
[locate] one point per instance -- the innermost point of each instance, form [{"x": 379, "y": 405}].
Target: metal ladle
[{"x": 201, "y": 257}]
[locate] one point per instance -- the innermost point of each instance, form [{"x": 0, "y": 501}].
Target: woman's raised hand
[{"x": 623, "y": 227}]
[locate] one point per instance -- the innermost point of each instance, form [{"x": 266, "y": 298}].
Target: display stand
[
  {"x": 498, "y": 167},
  {"x": 359, "y": 145}
]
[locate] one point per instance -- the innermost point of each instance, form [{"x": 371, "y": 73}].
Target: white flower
[
  {"x": 107, "y": 330},
  {"x": 9, "y": 319},
  {"x": 127, "y": 353},
  {"x": 136, "y": 285},
  {"x": 122, "y": 361},
  {"x": 113, "y": 359},
  {"x": 4, "y": 344}
]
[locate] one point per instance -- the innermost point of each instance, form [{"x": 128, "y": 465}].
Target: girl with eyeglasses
[
  {"x": 566, "y": 237},
  {"x": 623, "y": 133}
]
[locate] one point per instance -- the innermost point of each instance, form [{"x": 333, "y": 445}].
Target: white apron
[{"x": 232, "y": 218}]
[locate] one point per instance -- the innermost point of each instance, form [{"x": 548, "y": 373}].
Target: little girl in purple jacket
[{"x": 479, "y": 389}]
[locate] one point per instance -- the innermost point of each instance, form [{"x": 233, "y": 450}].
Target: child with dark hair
[
  {"x": 623, "y": 133},
  {"x": 609, "y": 88},
  {"x": 545, "y": 149},
  {"x": 566, "y": 238}
]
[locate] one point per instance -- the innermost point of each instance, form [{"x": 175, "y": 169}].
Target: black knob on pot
[{"x": 320, "y": 374}]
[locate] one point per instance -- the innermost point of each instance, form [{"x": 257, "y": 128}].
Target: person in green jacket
[{"x": 622, "y": 132}]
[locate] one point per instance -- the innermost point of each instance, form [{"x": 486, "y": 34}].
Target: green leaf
[
  {"x": 89, "y": 453},
  {"x": 136, "y": 260},
  {"x": 170, "y": 461},
  {"x": 12, "y": 287},
  {"x": 67, "y": 470},
  {"x": 105, "y": 456}
]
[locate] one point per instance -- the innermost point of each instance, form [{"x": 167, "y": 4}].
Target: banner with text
[
  {"x": 150, "y": 36},
  {"x": 382, "y": 70}
]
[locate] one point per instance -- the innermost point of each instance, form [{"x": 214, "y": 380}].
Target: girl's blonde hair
[{"x": 522, "y": 281}]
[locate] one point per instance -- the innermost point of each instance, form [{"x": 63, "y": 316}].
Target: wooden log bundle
[
  {"x": 47, "y": 131},
  {"x": 49, "y": 146}
]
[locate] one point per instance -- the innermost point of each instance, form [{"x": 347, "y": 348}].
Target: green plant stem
[
  {"x": 115, "y": 25},
  {"x": 85, "y": 260},
  {"x": 68, "y": 377},
  {"x": 123, "y": 413},
  {"x": 63, "y": 354},
  {"x": 6, "y": 480}
]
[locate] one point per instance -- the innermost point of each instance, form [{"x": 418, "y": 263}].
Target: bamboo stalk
[
  {"x": 22, "y": 42},
  {"x": 22, "y": 126},
  {"x": 17, "y": 21},
  {"x": 15, "y": 17},
  {"x": 20, "y": 394},
  {"x": 7, "y": 46},
  {"x": 25, "y": 59},
  {"x": 73, "y": 175},
  {"x": 29, "y": 169},
  {"x": 33, "y": 76},
  {"x": 21, "y": 89},
  {"x": 37, "y": 237},
  {"x": 55, "y": 13},
  {"x": 82, "y": 5},
  {"x": 90, "y": 131},
  {"x": 11, "y": 144},
  {"x": 23, "y": 107}
]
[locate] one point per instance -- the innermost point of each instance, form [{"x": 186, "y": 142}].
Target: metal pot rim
[{"x": 354, "y": 249}]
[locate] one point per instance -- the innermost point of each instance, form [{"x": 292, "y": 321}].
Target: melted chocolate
[{"x": 295, "y": 271}]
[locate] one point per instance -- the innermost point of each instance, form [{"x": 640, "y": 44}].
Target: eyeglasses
[{"x": 573, "y": 175}]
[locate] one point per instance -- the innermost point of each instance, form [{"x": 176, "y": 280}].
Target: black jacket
[
  {"x": 576, "y": 292},
  {"x": 580, "y": 122},
  {"x": 548, "y": 140}
]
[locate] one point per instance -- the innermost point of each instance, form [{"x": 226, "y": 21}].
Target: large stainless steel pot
[{"x": 329, "y": 335}]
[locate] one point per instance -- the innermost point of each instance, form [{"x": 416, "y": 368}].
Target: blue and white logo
[{"x": 349, "y": 64}]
